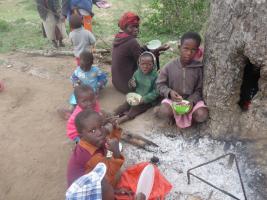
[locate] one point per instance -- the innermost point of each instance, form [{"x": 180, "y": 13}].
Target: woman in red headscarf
[{"x": 126, "y": 50}]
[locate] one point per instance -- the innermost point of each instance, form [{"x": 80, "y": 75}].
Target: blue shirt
[{"x": 94, "y": 78}]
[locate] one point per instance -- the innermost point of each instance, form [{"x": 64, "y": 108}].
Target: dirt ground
[{"x": 34, "y": 150}]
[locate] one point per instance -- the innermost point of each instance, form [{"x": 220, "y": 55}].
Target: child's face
[
  {"x": 146, "y": 64},
  {"x": 132, "y": 29},
  {"x": 188, "y": 50},
  {"x": 86, "y": 100},
  {"x": 85, "y": 65},
  {"x": 94, "y": 131}
]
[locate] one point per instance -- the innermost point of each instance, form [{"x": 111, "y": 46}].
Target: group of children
[{"x": 95, "y": 134}]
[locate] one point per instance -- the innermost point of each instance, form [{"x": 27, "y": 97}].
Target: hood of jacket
[{"x": 119, "y": 41}]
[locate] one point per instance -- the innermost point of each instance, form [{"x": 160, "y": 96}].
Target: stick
[
  {"x": 51, "y": 53},
  {"x": 137, "y": 140}
]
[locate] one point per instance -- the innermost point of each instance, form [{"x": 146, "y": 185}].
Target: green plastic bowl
[{"x": 181, "y": 109}]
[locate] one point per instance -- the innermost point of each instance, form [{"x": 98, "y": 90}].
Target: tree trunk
[{"x": 236, "y": 35}]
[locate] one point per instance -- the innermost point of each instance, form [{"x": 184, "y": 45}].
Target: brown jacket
[
  {"x": 125, "y": 53},
  {"x": 186, "y": 81}
]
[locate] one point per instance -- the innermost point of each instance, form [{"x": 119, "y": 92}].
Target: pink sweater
[{"x": 71, "y": 128}]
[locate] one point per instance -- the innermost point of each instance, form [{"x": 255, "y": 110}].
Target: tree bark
[{"x": 237, "y": 31}]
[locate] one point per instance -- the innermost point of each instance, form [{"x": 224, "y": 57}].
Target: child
[
  {"x": 86, "y": 99},
  {"x": 182, "y": 79},
  {"x": 86, "y": 74},
  {"x": 81, "y": 38},
  {"x": 143, "y": 83},
  {"x": 92, "y": 148}
]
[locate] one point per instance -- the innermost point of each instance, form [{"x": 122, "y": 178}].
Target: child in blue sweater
[{"x": 87, "y": 74}]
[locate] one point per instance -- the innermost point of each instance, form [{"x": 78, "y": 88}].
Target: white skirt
[{"x": 50, "y": 25}]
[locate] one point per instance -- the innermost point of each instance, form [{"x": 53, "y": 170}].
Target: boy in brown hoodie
[{"x": 182, "y": 79}]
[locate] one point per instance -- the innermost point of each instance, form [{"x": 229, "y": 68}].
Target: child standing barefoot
[
  {"x": 80, "y": 38},
  {"x": 181, "y": 79},
  {"x": 143, "y": 83}
]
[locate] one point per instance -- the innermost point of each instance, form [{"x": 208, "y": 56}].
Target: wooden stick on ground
[
  {"x": 137, "y": 140},
  {"x": 51, "y": 53}
]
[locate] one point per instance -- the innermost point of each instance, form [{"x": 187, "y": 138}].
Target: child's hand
[
  {"x": 164, "y": 47},
  {"x": 141, "y": 101},
  {"x": 191, "y": 106},
  {"x": 113, "y": 146},
  {"x": 175, "y": 96},
  {"x": 132, "y": 83},
  {"x": 114, "y": 121}
]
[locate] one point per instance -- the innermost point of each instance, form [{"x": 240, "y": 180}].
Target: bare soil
[{"x": 34, "y": 150}]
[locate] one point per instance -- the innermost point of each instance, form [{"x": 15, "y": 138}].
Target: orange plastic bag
[
  {"x": 129, "y": 180},
  {"x": 87, "y": 22}
]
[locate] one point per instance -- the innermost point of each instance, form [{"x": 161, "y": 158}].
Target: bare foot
[
  {"x": 123, "y": 119},
  {"x": 64, "y": 113},
  {"x": 107, "y": 114}
]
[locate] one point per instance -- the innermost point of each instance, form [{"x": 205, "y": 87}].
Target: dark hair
[
  {"x": 87, "y": 57},
  {"x": 75, "y": 21},
  {"x": 82, "y": 88},
  {"x": 191, "y": 35},
  {"x": 79, "y": 119}
]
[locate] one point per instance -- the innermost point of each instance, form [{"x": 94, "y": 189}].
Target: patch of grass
[
  {"x": 4, "y": 26},
  {"x": 28, "y": 5},
  {"x": 21, "y": 22},
  {"x": 178, "y": 16},
  {"x": 105, "y": 21},
  {"x": 22, "y": 34},
  {"x": 16, "y": 9},
  {"x": 105, "y": 25},
  {"x": 23, "y": 26}
]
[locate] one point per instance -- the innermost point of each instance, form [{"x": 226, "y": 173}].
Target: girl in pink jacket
[{"x": 86, "y": 99}]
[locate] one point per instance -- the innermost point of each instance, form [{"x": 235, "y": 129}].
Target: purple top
[{"x": 77, "y": 162}]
